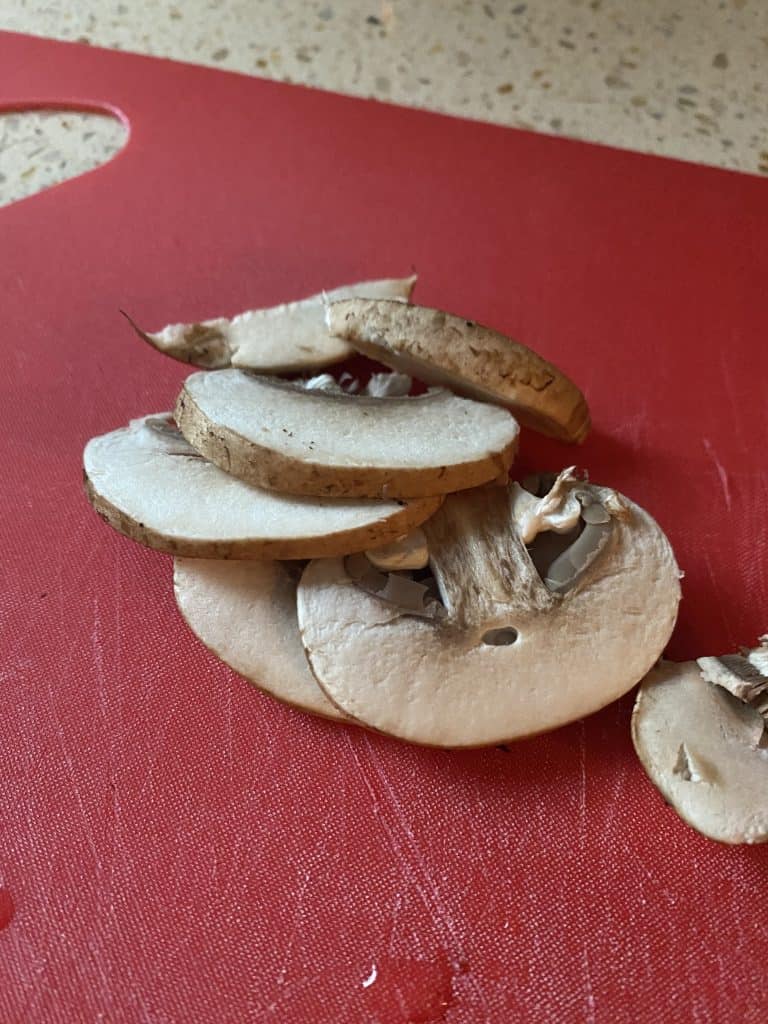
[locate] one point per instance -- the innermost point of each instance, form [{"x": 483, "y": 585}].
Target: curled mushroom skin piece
[
  {"x": 500, "y": 654},
  {"x": 704, "y": 747}
]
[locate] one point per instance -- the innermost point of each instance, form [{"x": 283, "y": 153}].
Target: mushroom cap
[
  {"x": 245, "y": 613},
  {"x": 700, "y": 748},
  {"x": 149, "y": 484},
  {"x": 279, "y": 435},
  {"x": 472, "y": 360},
  {"x": 453, "y": 678},
  {"x": 287, "y": 338}
]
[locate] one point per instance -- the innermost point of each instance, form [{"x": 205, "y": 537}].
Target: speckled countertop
[{"x": 684, "y": 78}]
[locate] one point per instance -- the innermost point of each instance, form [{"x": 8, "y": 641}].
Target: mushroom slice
[
  {"x": 503, "y": 656},
  {"x": 287, "y": 338},
  {"x": 245, "y": 613},
  {"x": 149, "y": 484},
  {"x": 465, "y": 357},
  {"x": 705, "y": 749},
  {"x": 277, "y": 434}
]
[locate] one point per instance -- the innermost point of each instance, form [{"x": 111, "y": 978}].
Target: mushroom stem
[{"x": 479, "y": 560}]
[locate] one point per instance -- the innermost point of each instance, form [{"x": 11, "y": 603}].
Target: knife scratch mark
[
  {"x": 721, "y": 472},
  {"x": 589, "y": 997},
  {"x": 298, "y": 914},
  {"x": 68, "y": 761},
  {"x": 413, "y": 863}
]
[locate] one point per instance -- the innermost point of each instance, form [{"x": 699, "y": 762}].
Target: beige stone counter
[{"x": 684, "y": 78}]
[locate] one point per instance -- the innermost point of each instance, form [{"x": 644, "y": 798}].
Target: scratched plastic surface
[{"x": 176, "y": 847}]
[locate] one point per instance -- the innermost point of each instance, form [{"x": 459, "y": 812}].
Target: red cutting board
[{"x": 176, "y": 847}]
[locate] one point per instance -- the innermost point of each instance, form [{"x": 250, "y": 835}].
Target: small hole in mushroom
[{"x": 500, "y": 637}]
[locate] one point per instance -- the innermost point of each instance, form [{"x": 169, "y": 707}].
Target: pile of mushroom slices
[{"x": 362, "y": 554}]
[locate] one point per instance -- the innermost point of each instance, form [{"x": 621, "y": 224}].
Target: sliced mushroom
[
  {"x": 278, "y": 435},
  {"x": 503, "y": 655},
  {"x": 149, "y": 484},
  {"x": 704, "y": 749},
  {"x": 245, "y": 613},
  {"x": 469, "y": 359},
  {"x": 282, "y": 339}
]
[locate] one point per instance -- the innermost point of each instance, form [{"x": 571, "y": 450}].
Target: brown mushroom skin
[{"x": 469, "y": 359}]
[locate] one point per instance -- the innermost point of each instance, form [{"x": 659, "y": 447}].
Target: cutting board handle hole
[{"x": 46, "y": 144}]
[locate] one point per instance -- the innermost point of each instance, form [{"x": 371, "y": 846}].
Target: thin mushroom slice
[
  {"x": 287, "y": 338},
  {"x": 705, "y": 749},
  {"x": 245, "y": 613},
  {"x": 146, "y": 482},
  {"x": 499, "y": 655},
  {"x": 277, "y": 434},
  {"x": 472, "y": 360}
]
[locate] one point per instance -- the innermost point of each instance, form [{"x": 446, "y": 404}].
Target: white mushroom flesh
[
  {"x": 245, "y": 613},
  {"x": 280, "y": 339},
  {"x": 704, "y": 750},
  {"x": 388, "y": 385},
  {"x": 558, "y": 510},
  {"x": 409, "y": 552},
  {"x": 505, "y": 657},
  {"x": 147, "y": 482},
  {"x": 323, "y": 382},
  {"x": 278, "y": 434},
  {"x": 759, "y": 656},
  {"x": 380, "y": 385}
]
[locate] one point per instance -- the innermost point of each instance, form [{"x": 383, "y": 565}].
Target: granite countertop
[{"x": 685, "y": 79}]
